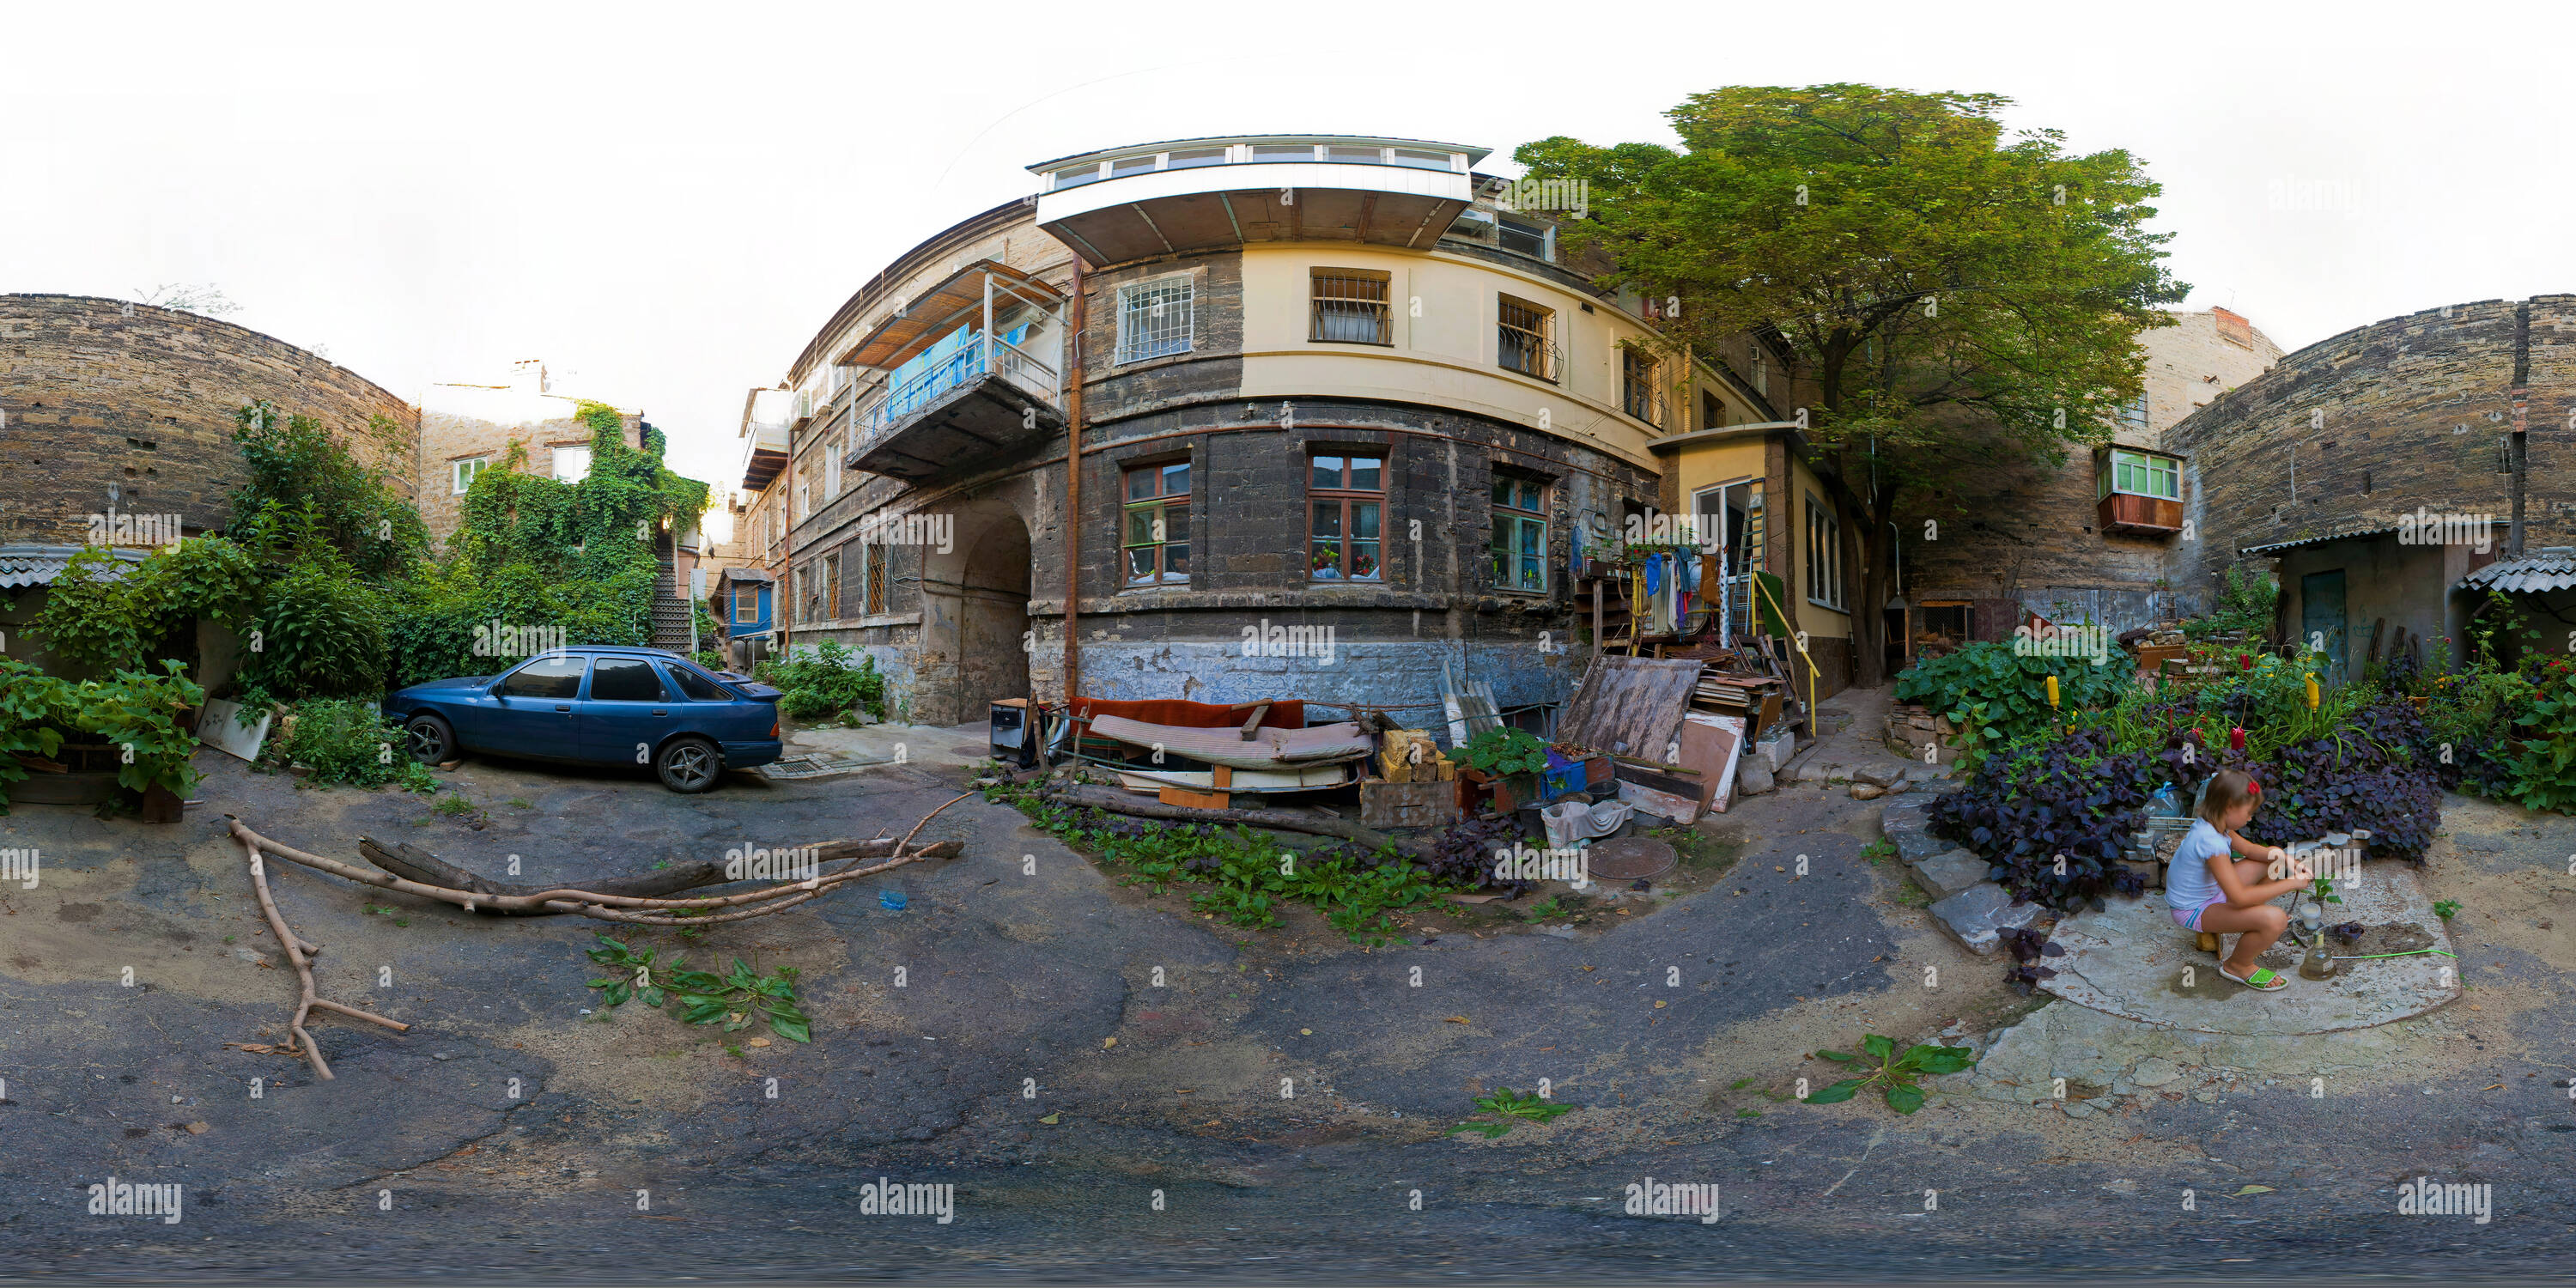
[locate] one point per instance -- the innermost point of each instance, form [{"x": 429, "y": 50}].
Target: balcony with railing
[
  {"x": 972, "y": 375},
  {"x": 1129, "y": 203},
  {"x": 764, "y": 434}
]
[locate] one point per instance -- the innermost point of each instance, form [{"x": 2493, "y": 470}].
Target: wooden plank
[
  {"x": 1427, "y": 804},
  {"x": 1253, "y": 721},
  {"x": 1630, "y": 706},
  {"x": 1195, "y": 800}
]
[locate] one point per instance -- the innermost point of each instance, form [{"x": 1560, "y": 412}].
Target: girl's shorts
[{"x": 2189, "y": 918}]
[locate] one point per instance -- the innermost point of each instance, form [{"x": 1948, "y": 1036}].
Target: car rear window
[
  {"x": 624, "y": 679},
  {"x": 547, "y": 677},
  {"x": 696, "y": 687}
]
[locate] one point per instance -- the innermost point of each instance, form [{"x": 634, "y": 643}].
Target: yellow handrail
[{"x": 1812, "y": 671}]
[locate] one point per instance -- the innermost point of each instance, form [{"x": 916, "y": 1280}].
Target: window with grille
[
  {"x": 1155, "y": 541},
  {"x": 1346, "y": 499},
  {"x": 1154, "y": 319},
  {"x": 1521, "y": 341},
  {"x": 1351, "y": 307},
  {"x": 1637, "y": 390},
  {"x": 1519, "y": 544},
  {"x": 1538, "y": 241},
  {"x": 832, "y": 587},
  {"x": 1824, "y": 555},
  {"x": 876, "y": 569}
]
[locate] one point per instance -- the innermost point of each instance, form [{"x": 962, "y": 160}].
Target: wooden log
[
  {"x": 1276, "y": 820},
  {"x": 1253, "y": 722},
  {"x": 412, "y": 863}
]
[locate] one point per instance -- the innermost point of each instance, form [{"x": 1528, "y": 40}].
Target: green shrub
[
  {"x": 2245, "y": 604},
  {"x": 1504, "y": 751},
  {"x": 826, "y": 682},
  {"x": 2543, "y": 764},
  {"x": 2000, "y": 695},
  {"x": 320, "y": 630},
  {"x": 139, "y": 712},
  {"x": 347, "y": 740}
]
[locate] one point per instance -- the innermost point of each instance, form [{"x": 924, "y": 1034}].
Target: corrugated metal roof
[
  {"x": 39, "y": 565},
  {"x": 2276, "y": 547},
  {"x": 2554, "y": 568}
]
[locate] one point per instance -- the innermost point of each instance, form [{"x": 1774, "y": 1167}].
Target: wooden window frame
[
  {"x": 1342, "y": 295},
  {"x": 878, "y": 557},
  {"x": 1346, "y": 498},
  {"x": 1161, "y": 504},
  {"x": 1824, "y": 570}
]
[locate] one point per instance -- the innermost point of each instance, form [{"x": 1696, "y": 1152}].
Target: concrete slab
[
  {"x": 1974, "y": 916},
  {"x": 2131, "y": 960},
  {"x": 1916, "y": 846}
]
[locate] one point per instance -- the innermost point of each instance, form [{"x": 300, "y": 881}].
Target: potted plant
[{"x": 1511, "y": 760}]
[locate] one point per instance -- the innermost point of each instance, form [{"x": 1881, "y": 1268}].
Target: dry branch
[
  {"x": 415, "y": 864},
  {"x": 298, "y": 953}
]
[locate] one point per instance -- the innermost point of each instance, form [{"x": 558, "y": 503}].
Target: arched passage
[{"x": 975, "y": 613}]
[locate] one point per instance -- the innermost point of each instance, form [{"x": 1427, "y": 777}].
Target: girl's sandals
[{"x": 2263, "y": 980}]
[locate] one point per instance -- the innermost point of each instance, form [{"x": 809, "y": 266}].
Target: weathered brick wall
[
  {"x": 454, "y": 427},
  {"x": 96, "y": 397},
  {"x": 2410, "y": 412},
  {"x": 2206, "y": 353}
]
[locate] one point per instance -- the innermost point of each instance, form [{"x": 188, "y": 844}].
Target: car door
[
  {"x": 531, "y": 712},
  {"x": 626, "y": 714}
]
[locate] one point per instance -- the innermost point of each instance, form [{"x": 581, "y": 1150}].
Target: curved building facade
[{"x": 1338, "y": 418}]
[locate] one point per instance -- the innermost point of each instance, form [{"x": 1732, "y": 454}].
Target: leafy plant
[
  {"x": 832, "y": 680},
  {"x": 2050, "y": 817},
  {"x": 2245, "y": 604},
  {"x": 2543, "y": 767},
  {"x": 1506, "y": 1109},
  {"x": 2446, "y": 908},
  {"x": 734, "y": 998},
  {"x": 2028, "y": 946},
  {"x": 138, "y": 713},
  {"x": 1503, "y": 751},
  {"x": 2004, "y": 694},
  {"x": 347, "y": 740},
  {"x": 1894, "y": 1075}
]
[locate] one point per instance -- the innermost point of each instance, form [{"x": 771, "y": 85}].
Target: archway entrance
[{"x": 975, "y": 615}]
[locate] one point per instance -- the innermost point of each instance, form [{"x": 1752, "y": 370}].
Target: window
[
  {"x": 558, "y": 678},
  {"x": 1283, "y": 152},
  {"x": 1420, "y": 160},
  {"x": 572, "y": 463},
  {"x": 1351, "y": 307},
  {"x": 1712, "y": 413},
  {"x": 876, "y": 569},
  {"x": 1157, "y": 537},
  {"x": 693, "y": 686},
  {"x": 804, "y": 498},
  {"x": 1520, "y": 534},
  {"x": 1638, "y": 393},
  {"x": 1072, "y": 176},
  {"x": 467, "y": 471},
  {"x": 1538, "y": 241},
  {"x": 1355, "y": 156},
  {"x": 1824, "y": 555},
  {"x": 812, "y": 588},
  {"x": 746, "y": 604},
  {"x": 832, "y": 587},
  {"x": 624, "y": 679},
  {"x": 832, "y": 469},
  {"x": 1154, "y": 319},
  {"x": 1521, "y": 339},
  {"x": 1183, "y": 160},
  {"x": 2143, "y": 474},
  {"x": 2133, "y": 414},
  {"x": 1124, "y": 166},
  {"x": 1346, "y": 496}
]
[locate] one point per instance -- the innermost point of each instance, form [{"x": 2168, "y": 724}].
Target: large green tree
[{"x": 1951, "y": 295}]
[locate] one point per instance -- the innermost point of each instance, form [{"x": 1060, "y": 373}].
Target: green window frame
[
  {"x": 1519, "y": 541},
  {"x": 2137, "y": 473}
]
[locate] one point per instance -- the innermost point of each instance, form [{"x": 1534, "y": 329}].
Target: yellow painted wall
[
  {"x": 1444, "y": 317},
  {"x": 1816, "y": 618},
  {"x": 1725, "y": 460}
]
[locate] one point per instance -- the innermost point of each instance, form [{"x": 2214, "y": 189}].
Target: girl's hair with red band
[{"x": 2228, "y": 788}]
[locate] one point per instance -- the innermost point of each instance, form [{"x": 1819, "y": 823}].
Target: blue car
[{"x": 598, "y": 705}]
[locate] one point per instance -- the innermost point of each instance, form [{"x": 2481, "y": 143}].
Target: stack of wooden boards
[{"x": 1672, "y": 760}]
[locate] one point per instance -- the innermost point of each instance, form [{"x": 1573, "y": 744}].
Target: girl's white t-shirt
[{"x": 2188, "y": 881}]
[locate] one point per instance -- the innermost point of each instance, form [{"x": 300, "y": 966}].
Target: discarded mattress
[{"x": 1266, "y": 749}]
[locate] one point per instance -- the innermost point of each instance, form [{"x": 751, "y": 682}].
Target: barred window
[
  {"x": 876, "y": 566},
  {"x": 1154, "y": 319},
  {"x": 1351, "y": 307},
  {"x": 1155, "y": 541},
  {"x": 1522, "y": 340},
  {"x": 832, "y": 587},
  {"x": 1638, "y": 393},
  {"x": 1346, "y": 498}
]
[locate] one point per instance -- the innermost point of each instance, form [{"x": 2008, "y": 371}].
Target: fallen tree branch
[
  {"x": 298, "y": 954},
  {"x": 1118, "y": 802},
  {"x": 412, "y": 863}
]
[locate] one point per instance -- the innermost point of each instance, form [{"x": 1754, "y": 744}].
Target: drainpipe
[{"x": 1073, "y": 490}]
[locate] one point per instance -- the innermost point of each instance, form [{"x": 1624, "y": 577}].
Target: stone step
[
  {"x": 1948, "y": 873},
  {"x": 1974, "y": 916}
]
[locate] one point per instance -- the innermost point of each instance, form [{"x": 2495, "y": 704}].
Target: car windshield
[{"x": 547, "y": 677}]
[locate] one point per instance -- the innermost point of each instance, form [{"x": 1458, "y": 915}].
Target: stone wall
[
  {"x": 469, "y": 422},
  {"x": 2410, "y": 413},
  {"x": 101, "y": 394}
]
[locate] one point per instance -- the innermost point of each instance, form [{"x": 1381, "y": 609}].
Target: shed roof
[
  {"x": 2348, "y": 534},
  {"x": 2554, "y": 568},
  {"x": 32, "y": 565}
]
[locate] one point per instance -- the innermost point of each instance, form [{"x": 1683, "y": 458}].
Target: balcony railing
[{"x": 984, "y": 355}]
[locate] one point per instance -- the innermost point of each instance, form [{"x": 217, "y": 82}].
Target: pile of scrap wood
[
  {"x": 1672, "y": 760},
  {"x": 1201, "y": 754},
  {"x": 1410, "y": 756}
]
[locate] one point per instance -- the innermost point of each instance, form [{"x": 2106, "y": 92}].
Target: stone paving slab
[
  {"x": 1974, "y": 917},
  {"x": 2131, "y": 960},
  {"x": 1948, "y": 873}
]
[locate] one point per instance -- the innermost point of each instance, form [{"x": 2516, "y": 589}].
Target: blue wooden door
[{"x": 2321, "y": 623}]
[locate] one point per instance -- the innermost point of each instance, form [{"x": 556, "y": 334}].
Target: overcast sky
[{"x": 665, "y": 202}]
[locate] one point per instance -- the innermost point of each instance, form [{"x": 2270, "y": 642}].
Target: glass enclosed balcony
[
  {"x": 1207, "y": 194},
  {"x": 972, "y": 375}
]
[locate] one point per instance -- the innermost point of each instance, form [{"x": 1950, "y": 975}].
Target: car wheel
[
  {"x": 432, "y": 741},
  {"x": 688, "y": 765}
]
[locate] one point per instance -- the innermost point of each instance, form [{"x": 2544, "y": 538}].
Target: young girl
[{"x": 2213, "y": 892}]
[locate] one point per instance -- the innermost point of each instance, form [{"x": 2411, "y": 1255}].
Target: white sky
[{"x": 664, "y": 202}]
